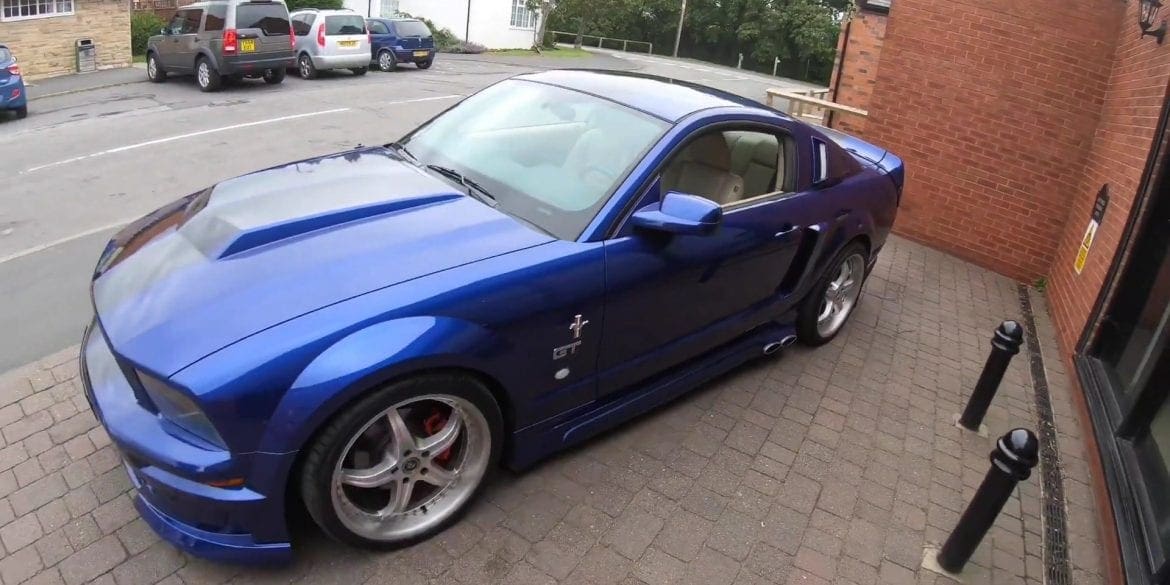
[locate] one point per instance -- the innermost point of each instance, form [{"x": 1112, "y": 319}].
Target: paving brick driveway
[{"x": 829, "y": 466}]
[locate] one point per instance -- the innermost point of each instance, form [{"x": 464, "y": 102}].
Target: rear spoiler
[{"x": 880, "y": 158}]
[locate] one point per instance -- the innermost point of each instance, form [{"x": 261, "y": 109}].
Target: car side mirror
[{"x": 680, "y": 213}]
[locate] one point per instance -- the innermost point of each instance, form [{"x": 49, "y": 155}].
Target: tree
[{"x": 294, "y": 5}]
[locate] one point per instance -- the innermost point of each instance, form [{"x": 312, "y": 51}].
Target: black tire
[
  {"x": 324, "y": 450},
  {"x": 21, "y": 112},
  {"x": 154, "y": 69},
  {"x": 360, "y": 71},
  {"x": 274, "y": 76},
  {"x": 387, "y": 62},
  {"x": 305, "y": 67},
  {"x": 807, "y": 330},
  {"x": 424, "y": 64},
  {"x": 212, "y": 81}
]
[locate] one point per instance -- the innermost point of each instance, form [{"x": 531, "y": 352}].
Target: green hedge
[{"x": 143, "y": 25}]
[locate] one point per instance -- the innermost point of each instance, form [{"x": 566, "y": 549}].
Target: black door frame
[{"x": 1144, "y": 559}]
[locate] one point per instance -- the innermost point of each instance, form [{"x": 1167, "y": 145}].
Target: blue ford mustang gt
[{"x": 369, "y": 333}]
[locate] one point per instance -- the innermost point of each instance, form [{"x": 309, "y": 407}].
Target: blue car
[
  {"x": 12, "y": 95},
  {"x": 400, "y": 40},
  {"x": 371, "y": 333}
]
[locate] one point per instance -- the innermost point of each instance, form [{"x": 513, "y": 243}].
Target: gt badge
[{"x": 566, "y": 350}]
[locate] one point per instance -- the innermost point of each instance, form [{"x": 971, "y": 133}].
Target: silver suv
[{"x": 330, "y": 39}]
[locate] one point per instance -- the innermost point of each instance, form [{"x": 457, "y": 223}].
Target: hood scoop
[{"x": 254, "y": 210}]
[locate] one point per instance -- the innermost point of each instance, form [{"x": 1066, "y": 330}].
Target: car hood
[{"x": 257, "y": 250}]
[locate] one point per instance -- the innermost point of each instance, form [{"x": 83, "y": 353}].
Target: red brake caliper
[{"x": 433, "y": 424}]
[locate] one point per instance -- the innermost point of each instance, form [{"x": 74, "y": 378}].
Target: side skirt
[{"x": 536, "y": 442}]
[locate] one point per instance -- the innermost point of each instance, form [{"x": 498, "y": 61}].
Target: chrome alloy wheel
[
  {"x": 306, "y": 67},
  {"x": 411, "y": 467},
  {"x": 203, "y": 74},
  {"x": 152, "y": 67},
  {"x": 385, "y": 61},
  {"x": 841, "y": 295}
]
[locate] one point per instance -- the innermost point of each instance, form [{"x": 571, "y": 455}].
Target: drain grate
[{"x": 1056, "y": 569}]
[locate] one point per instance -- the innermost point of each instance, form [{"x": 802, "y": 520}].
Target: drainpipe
[{"x": 840, "y": 69}]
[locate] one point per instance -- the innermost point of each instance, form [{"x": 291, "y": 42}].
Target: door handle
[{"x": 785, "y": 232}]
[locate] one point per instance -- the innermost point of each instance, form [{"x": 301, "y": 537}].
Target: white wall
[{"x": 490, "y": 20}]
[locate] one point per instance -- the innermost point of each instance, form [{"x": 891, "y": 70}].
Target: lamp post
[
  {"x": 682, "y": 14},
  {"x": 1147, "y": 14}
]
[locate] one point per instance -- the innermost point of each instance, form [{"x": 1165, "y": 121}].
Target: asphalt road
[{"x": 85, "y": 163}]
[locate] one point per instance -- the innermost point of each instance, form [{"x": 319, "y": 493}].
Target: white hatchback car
[{"x": 330, "y": 39}]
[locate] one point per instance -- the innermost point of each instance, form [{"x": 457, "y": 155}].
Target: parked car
[
  {"x": 12, "y": 93},
  {"x": 331, "y": 39},
  {"x": 372, "y": 331},
  {"x": 223, "y": 40},
  {"x": 400, "y": 40}
]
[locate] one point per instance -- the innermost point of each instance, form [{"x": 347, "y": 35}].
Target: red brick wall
[
  {"x": 859, "y": 48},
  {"x": 1117, "y": 156},
  {"x": 993, "y": 105}
]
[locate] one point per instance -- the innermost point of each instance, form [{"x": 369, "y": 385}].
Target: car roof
[{"x": 663, "y": 97}]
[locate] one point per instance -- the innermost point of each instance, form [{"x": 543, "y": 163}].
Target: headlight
[{"x": 180, "y": 410}]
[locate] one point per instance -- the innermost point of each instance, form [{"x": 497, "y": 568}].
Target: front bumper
[
  {"x": 225, "y": 524},
  {"x": 12, "y": 94},
  {"x": 349, "y": 61}
]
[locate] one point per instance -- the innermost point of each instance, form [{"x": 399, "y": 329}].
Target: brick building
[
  {"x": 43, "y": 33},
  {"x": 1022, "y": 124}
]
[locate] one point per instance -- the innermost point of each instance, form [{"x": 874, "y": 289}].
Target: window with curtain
[
  {"x": 522, "y": 16},
  {"x": 21, "y": 9}
]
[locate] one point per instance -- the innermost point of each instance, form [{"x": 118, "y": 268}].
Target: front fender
[{"x": 367, "y": 358}]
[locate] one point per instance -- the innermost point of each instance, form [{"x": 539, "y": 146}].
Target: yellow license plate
[
  {"x": 347, "y": 43},
  {"x": 247, "y": 45},
  {"x": 420, "y": 53}
]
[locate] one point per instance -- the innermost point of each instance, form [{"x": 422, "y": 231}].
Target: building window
[
  {"x": 522, "y": 16},
  {"x": 21, "y": 9}
]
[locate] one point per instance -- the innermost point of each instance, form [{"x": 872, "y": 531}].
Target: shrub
[
  {"x": 294, "y": 5},
  {"x": 143, "y": 25},
  {"x": 465, "y": 48}
]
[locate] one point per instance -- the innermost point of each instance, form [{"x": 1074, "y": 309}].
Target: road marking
[
  {"x": 181, "y": 137},
  {"x": 66, "y": 240}
]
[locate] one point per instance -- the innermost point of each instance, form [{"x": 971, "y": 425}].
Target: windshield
[
  {"x": 411, "y": 28},
  {"x": 548, "y": 155},
  {"x": 345, "y": 25}
]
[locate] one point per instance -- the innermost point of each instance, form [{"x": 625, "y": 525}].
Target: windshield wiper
[
  {"x": 399, "y": 147},
  {"x": 471, "y": 185}
]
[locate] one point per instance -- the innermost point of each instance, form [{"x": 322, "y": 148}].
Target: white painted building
[{"x": 495, "y": 24}]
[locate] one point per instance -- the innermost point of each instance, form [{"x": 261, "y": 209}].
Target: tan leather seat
[
  {"x": 704, "y": 168},
  {"x": 755, "y": 157}
]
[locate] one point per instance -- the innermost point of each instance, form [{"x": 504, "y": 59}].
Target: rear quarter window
[
  {"x": 216, "y": 13},
  {"x": 270, "y": 17},
  {"x": 345, "y": 25},
  {"x": 5, "y": 54}
]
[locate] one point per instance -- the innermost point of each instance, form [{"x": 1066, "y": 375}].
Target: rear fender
[{"x": 366, "y": 359}]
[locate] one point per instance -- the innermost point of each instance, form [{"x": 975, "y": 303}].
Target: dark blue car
[
  {"x": 12, "y": 94},
  {"x": 400, "y": 40},
  {"x": 372, "y": 332}
]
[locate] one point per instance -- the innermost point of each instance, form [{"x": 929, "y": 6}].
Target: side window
[
  {"x": 300, "y": 26},
  {"x": 377, "y": 27},
  {"x": 176, "y": 25},
  {"x": 821, "y": 160},
  {"x": 216, "y": 13},
  {"x": 191, "y": 21},
  {"x": 729, "y": 166}
]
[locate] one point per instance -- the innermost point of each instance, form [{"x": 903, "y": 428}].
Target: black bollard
[
  {"x": 1004, "y": 344},
  {"x": 1015, "y": 454}
]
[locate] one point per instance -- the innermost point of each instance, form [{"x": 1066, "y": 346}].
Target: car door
[
  {"x": 168, "y": 47},
  {"x": 380, "y": 37},
  {"x": 671, "y": 297},
  {"x": 186, "y": 41}
]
